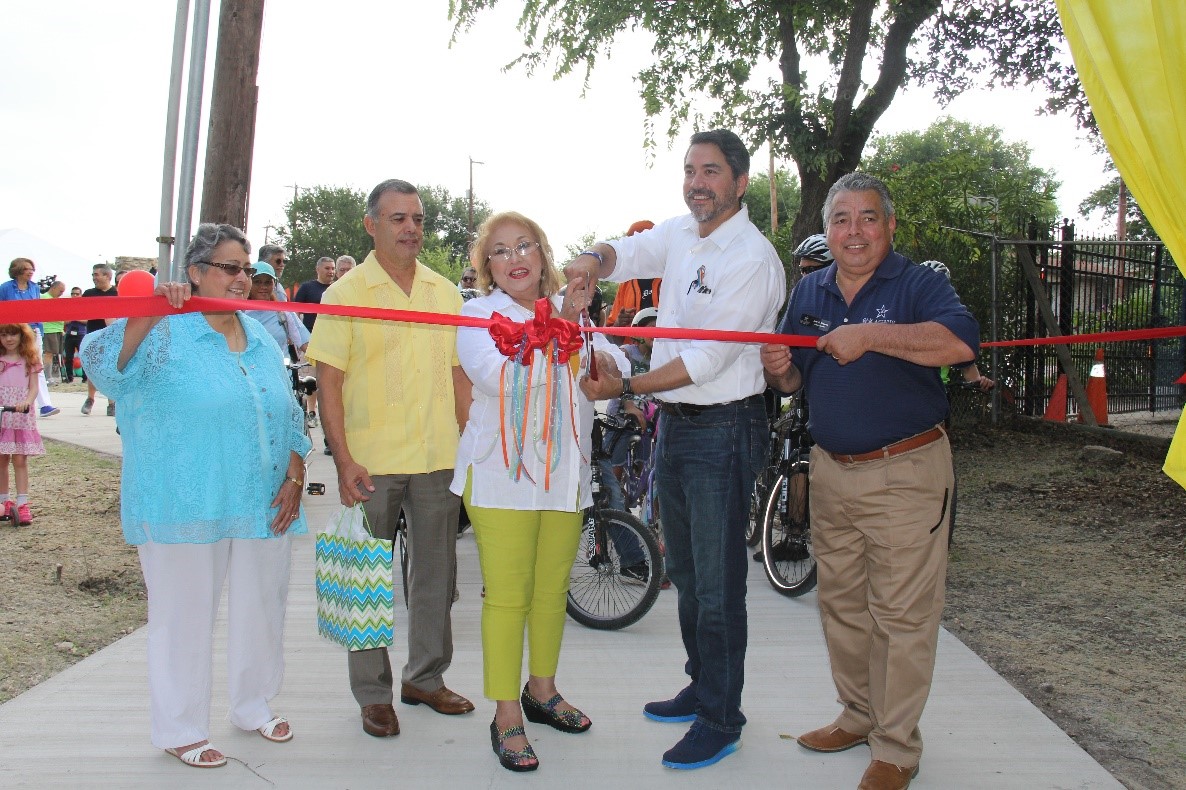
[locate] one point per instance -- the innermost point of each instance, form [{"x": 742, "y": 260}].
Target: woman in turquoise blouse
[{"x": 213, "y": 472}]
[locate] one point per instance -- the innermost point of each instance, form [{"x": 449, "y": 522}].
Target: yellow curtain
[{"x": 1131, "y": 57}]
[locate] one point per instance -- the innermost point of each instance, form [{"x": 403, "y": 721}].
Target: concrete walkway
[{"x": 88, "y": 726}]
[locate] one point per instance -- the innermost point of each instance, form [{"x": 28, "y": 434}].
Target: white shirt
[
  {"x": 481, "y": 441},
  {"x": 730, "y": 280}
]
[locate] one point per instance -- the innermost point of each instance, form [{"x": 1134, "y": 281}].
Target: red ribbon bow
[{"x": 519, "y": 341}]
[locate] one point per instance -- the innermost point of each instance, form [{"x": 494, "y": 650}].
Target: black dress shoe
[{"x": 380, "y": 720}]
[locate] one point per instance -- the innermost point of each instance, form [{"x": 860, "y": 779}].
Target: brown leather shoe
[
  {"x": 380, "y": 720},
  {"x": 830, "y": 739},
  {"x": 442, "y": 700},
  {"x": 887, "y": 776}
]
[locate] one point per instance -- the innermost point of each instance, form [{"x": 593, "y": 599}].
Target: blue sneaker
[
  {"x": 681, "y": 707},
  {"x": 49, "y": 411},
  {"x": 701, "y": 746}
]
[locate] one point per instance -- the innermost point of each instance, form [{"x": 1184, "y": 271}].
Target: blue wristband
[{"x": 597, "y": 255}]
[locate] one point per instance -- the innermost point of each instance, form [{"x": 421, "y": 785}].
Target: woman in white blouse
[{"x": 523, "y": 471}]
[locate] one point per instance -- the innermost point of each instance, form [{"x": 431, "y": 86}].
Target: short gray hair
[
  {"x": 390, "y": 185},
  {"x": 103, "y": 267},
  {"x": 350, "y": 258},
  {"x": 323, "y": 258},
  {"x": 207, "y": 239},
  {"x": 267, "y": 251},
  {"x": 858, "y": 182}
]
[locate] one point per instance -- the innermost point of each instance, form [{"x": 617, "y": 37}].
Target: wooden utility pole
[{"x": 227, "y": 181}]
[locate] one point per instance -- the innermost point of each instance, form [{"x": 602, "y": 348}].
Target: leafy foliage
[
  {"x": 1107, "y": 199},
  {"x": 446, "y": 219},
  {"x": 955, "y": 177},
  {"x": 323, "y": 220},
  {"x": 328, "y": 221},
  {"x": 750, "y": 61},
  {"x": 757, "y": 200}
]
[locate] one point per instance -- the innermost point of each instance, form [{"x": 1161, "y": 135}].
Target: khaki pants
[{"x": 879, "y": 531}]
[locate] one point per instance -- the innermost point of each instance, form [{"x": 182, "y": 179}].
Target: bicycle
[
  {"x": 618, "y": 569},
  {"x": 769, "y": 473},
  {"x": 787, "y": 555}
]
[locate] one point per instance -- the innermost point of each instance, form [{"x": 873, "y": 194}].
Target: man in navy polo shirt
[{"x": 882, "y": 484}]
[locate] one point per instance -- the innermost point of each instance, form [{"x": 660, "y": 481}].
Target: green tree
[
  {"x": 954, "y": 175},
  {"x": 1107, "y": 200},
  {"x": 446, "y": 219},
  {"x": 323, "y": 220},
  {"x": 757, "y": 199},
  {"x": 719, "y": 50}
]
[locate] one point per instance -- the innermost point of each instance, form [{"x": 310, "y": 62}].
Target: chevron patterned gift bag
[{"x": 354, "y": 604}]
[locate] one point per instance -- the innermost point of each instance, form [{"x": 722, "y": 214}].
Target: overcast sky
[{"x": 355, "y": 91}]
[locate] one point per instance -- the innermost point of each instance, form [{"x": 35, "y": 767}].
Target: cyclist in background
[
  {"x": 970, "y": 372},
  {"x": 812, "y": 254}
]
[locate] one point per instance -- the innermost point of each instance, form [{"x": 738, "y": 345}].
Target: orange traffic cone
[
  {"x": 1097, "y": 390},
  {"x": 1056, "y": 409}
]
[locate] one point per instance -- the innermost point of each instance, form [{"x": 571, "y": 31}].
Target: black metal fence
[{"x": 1092, "y": 285}]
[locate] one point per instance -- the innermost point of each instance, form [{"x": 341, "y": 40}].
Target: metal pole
[
  {"x": 189, "y": 151},
  {"x": 994, "y": 335},
  {"x": 470, "y": 222},
  {"x": 164, "y": 240}
]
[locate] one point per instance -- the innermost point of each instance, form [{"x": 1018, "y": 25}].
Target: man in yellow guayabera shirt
[{"x": 392, "y": 398}]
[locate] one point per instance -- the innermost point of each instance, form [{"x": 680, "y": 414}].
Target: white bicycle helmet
[
  {"x": 814, "y": 248},
  {"x": 644, "y": 314},
  {"x": 939, "y": 267}
]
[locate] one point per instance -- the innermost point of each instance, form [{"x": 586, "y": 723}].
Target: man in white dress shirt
[{"x": 719, "y": 272}]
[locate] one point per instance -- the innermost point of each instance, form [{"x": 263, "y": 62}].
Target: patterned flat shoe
[
  {"x": 546, "y": 713},
  {"x": 512, "y": 759}
]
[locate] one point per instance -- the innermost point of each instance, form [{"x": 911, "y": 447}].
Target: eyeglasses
[
  {"x": 233, "y": 269},
  {"x": 471, "y": 279},
  {"x": 522, "y": 249},
  {"x": 282, "y": 262}
]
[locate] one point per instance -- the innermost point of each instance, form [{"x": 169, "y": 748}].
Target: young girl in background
[{"x": 20, "y": 361}]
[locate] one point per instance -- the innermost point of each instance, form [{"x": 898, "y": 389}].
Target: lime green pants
[{"x": 526, "y": 557}]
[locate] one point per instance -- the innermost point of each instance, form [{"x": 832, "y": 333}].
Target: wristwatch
[{"x": 626, "y": 388}]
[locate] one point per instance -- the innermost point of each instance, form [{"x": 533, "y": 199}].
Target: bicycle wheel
[
  {"x": 786, "y": 534},
  {"x": 604, "y": 592},
  {"x": 757, "y": 501}
]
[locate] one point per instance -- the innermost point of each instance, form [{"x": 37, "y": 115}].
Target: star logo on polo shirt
[{"x": 881, "y": 312}]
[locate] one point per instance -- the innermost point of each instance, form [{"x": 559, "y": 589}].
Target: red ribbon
[
  {"x": 81, "y": 309},
  {"x": 519, "y": 341}
]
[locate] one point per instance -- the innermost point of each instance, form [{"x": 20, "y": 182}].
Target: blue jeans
[{"x": 706, "y": 469}]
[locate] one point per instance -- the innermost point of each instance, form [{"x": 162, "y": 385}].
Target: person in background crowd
[
  {"x": 881, "y": 472},
  {"x": 712, "y": 429},
  {"x": 275, "y": 256},
  {"x": 19, "y": 362},
  {"x": 343, "y": 264},
  {"x": 394, "y": 440},
  {"x": 21, "y": 286},
  {"x": 211, "y": 488},
  {"x": 74, "y": 332},
  {"x": 310, "y": 292},
  {"x": 291, "y": 336},
  {"x": 51, "y": 341},
  {"x": 527, "y": 525},
  {"x": 469, "y": 278},
  {"x": 102, "y": 275},
  {"x": 970, "y": 373},
  {"x": 633, "y": 295}
]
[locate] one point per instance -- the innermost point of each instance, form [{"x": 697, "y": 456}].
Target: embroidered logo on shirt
[
  {"x": 882, "y": 313},
  {"x": 700, "y": 284}
]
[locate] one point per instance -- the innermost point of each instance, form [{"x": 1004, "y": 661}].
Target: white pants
[{"x": 184, "y": 584}]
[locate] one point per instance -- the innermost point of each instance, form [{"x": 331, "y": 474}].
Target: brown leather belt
[{"x": 890, "y": 450}]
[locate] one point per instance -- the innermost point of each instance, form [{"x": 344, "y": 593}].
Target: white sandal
[
  {"x": 268, "y": 729},
  {"x": 194, "y": 756}
]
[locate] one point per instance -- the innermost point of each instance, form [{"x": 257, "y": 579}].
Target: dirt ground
[{"x": 1066, "y": 576}]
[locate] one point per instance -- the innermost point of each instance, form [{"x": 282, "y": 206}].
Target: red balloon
[{"x": 137, "y": 283}]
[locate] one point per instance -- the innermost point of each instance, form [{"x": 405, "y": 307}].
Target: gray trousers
[{"x": 431, "y": 510}]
